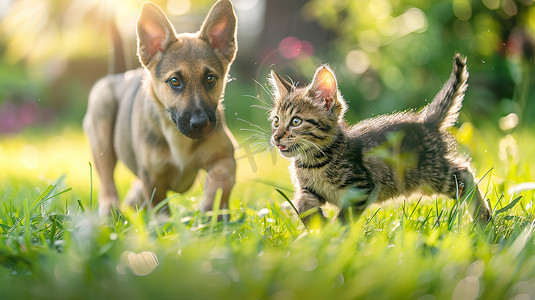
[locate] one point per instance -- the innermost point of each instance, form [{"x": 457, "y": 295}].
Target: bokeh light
[
  {"x": 357, "y": 61},
  {"x": 292, "y": 47},
  {"x": 178, "y": 7}
]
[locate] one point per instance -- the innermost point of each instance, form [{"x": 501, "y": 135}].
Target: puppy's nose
[{"x": 198, "y": 121}]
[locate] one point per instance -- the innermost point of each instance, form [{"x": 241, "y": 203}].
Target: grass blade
[
  {"x": 287, "y": 199},
  {"x": 81, "y": 205},
  {"x": 27, "y": 223},
  {"x": 415, "y": 207},
  {"x": 373, "y": 216},
  {"x": 43, "y": 196},
  {"x": 508, "y": 206}
]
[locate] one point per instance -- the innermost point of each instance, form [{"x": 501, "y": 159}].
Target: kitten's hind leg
[
  {"x": 356, "y": 201},
  {"x": 353, "y": 212},
  {"x": 467, "y": 190}
]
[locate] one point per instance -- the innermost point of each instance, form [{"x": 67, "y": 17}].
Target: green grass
[{"x": 53, "y": 246}]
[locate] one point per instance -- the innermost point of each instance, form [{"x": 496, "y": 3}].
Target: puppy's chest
[
  {"x": 171, "y": 169},
  {"x": 170, "y": 151},
  {"x": 181, "y": 148}
]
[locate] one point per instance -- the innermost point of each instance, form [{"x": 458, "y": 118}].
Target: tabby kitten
[{"x": 376, "y": 159}]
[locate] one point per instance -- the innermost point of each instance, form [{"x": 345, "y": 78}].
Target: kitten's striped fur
[{"x": 330, "y": 157}]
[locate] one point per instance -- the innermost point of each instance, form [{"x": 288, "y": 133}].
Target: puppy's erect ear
[
  {"x": 219, "y": 29},
  {"x": 323, "y": 87},
  {"x": 154, "y": 33},
  {"x": 280, "y": 87}
]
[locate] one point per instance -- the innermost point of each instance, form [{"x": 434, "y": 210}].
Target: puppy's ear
[
  {"x": 219, "y": 29},
  {"x": 323, "y": 88},
  {"x": 154, "y": 33},
  {"x": 280, "y": 87}
]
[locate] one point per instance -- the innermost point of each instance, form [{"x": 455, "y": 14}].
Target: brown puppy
[{"x": 165, "y": 121}]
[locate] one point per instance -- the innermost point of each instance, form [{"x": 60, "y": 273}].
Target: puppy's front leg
[
  {"x": 144, "y": 193},
  {"x": 220, "y": 175},
  {"x": 99, "y": 125}
]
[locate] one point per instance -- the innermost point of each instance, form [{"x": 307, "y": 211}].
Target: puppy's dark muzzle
[{"x": 194, "y": 124}]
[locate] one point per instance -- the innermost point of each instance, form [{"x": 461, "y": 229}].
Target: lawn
[{"x": 54, "y": 246}]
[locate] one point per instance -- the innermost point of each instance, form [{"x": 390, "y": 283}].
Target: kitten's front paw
[{"x": 313, "y": 219}]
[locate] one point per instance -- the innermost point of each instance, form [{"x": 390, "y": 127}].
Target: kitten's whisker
[
  {"x": 303, "y": 151},
  {"x": 318, "y": 147},
  {"x": 254, "y": 125},
  {"x": 268, "y": 92},
  {"x": 261, "y": 143},
  {"x": 263, "y": 149},
  {"x": 260, "y": 106},
  {"x": 253, "y": 140},
  {"x": 258, "y": 149},
  {"x": 256, "y": 134},
  {"x": 315, "y": 145},
  {"x": 263, "y": 133},
  {"x": 256, "y": 98}
]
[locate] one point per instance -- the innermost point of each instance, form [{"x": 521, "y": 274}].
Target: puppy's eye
[
  {"x": 296, "y": 121},
  {"x": 211, "y": 79},
  {"x": 276, "y": 122},
  {"x": 175, "y": 83}
]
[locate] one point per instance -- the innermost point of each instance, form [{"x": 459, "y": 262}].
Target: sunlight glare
[
  {"x": 29, "y": 157},
  {"x": 508, "y": 122},
  {"x": 292, "y": 47},
  {"x": 245, "y": 4},
  {"x": 357, "y": 61},
  {"x": 413, "y": 20},
  {"x": 508, "y": 149},
  {"x": 178, "y": 7},
  {"x": 379, "y": 9},
  {"x": 4, "y": 8}
]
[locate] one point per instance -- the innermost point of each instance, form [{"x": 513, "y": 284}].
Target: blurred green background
[{"x": 388, "y": 55}]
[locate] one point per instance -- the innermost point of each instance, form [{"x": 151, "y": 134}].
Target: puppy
[{"x": 165, "y": 121}]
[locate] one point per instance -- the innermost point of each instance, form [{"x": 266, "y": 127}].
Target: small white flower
[{"x": 263, "y": 212}]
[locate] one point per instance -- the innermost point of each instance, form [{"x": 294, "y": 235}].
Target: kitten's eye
[
  {"x": 296, "y": 121},
  {"x": 175, "y": 83},
  {"x": 276, "y": 122},
  {"x": 211, "y": 79}
]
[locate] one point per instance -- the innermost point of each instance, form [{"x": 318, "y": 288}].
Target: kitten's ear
[
  {"x": 323, "y": 87},
  {"x": 219, "y": 29},
  {"x": 154, "y": 33},
  {"x": 280, "y": 86}
]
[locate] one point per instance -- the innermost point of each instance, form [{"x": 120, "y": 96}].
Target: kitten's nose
[{"x": 278, "y": 136}]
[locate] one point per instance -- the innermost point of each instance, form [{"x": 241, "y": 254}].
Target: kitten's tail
[{"x": 444, "y": 110}]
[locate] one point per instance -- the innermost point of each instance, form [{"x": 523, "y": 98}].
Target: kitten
[{"x": 376, "y": 159}]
